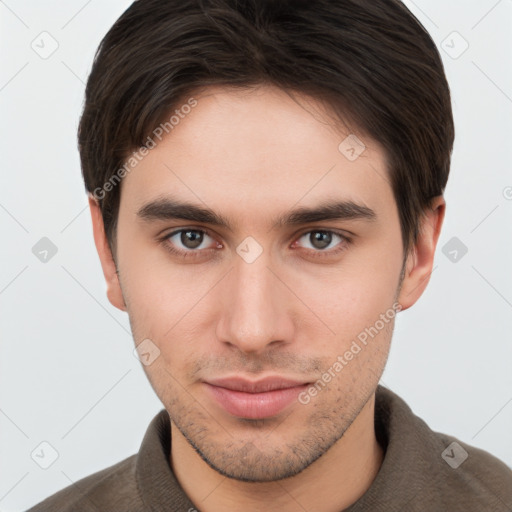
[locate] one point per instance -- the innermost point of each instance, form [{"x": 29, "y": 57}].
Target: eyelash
[{"x": 192, "y": 253}]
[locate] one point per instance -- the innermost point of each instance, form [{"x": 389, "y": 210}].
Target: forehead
[{"x": 256, "y": 151}]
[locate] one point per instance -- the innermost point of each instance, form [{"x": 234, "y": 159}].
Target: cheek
[
  {"x": 154, "y": 288},
  {"x": 168, "y": 304},
  {"x": 350, "y": 297}
]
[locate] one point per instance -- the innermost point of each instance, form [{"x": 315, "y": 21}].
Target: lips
[{"x": 259, "y": 399}]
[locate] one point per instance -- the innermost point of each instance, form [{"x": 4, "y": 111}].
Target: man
[{"x": 266, "y": 187}]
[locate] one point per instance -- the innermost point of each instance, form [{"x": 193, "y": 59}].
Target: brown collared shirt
[{"x": 422, "y": 471}]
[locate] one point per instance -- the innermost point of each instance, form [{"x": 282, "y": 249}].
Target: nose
[{"x": 256, "y": 308}]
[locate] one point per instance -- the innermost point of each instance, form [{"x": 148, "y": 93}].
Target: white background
[{"x": 67, "y": 372}]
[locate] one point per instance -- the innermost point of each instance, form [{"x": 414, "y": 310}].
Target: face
[{"x": 268, "y": 303}]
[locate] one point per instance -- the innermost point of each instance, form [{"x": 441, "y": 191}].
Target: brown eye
[
  {"x": 189, "y": 240},
  {"x": 320, "y": 240}
]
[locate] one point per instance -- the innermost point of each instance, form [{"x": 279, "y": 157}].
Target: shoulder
[
  {"x": 428, "y": 470},
  {"x": 112, "y": 488},
  {"x": 471, "y": 478}
]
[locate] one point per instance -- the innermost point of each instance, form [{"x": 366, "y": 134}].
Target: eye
[
  {"x": 321, "y": 240},
  {"x": 185, "y": 241},
  {"x": 197, "y": 243}
]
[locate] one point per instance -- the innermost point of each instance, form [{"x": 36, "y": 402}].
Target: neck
[{"x": 333, "y": 482}]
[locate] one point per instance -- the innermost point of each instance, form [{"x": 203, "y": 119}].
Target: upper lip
[{"x": 257, "y": 386}]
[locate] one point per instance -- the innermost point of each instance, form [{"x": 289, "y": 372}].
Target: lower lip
[{"x": 255, "y": 405}]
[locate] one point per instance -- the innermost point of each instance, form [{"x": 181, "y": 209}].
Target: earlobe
[
  {"x": 421, "y": 257},
  {"x": 108, "y": 265}
]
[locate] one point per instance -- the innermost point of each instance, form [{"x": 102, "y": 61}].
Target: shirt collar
[{"x": 398, "y": 430}]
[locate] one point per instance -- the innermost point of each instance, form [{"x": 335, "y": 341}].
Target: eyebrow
[{"x": 171, "y": 209}]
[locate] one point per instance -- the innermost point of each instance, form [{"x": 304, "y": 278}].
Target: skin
[{"x": 251, "y": 156}]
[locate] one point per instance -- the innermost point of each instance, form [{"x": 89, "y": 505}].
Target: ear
[
  {"x": 421, "y": 257},
  {"x": 114, "y": 292}
]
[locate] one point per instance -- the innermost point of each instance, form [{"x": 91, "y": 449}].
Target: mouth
[{"x": 259, "y": 399}]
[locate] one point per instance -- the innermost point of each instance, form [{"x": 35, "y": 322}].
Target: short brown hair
[{"x": 371, "y": 61}]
